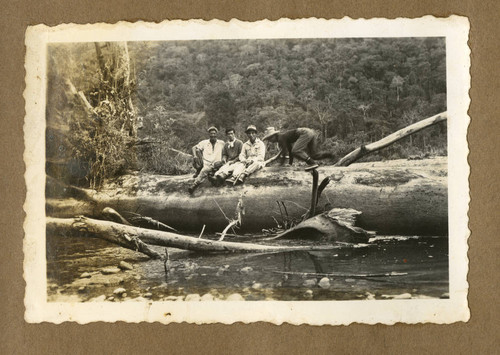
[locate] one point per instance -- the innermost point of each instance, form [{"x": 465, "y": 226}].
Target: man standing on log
[
  {"x": 230, "y": 156},
  {"x": 301, "y": 143},
  {"x": 210, "y": 151},
  {"x": 251, "y": 157}
]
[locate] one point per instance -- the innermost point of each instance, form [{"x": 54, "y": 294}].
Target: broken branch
[{"x": 390, "y": 139}]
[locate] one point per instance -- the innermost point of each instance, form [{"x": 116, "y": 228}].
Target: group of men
[{"x": 233, "y": 161}]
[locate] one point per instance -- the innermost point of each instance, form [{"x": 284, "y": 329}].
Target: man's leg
[
  {"x": 252, "y": 168},
  {"x": 220, "y": 175},
  {"x": 301, "y": 145},
  {"x": 225, "y": 170},
  {"x": 238, "y": 169},
  {"x": 314, "y": 149},
  {"x": 200, "y": 178},
  {"x": 197, "y": 164}
]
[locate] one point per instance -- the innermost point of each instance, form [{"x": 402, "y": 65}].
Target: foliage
[
  {"x": 353, "y": 90},
  {"x": 97, "y": 138},
  {"x": 346, "y": 88}
]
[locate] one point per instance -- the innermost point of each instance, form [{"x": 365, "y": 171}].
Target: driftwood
[
  {"x": 120, "y": 234},
  {"x": 390, "y": 139},
  {"x": 83, "y": 228},
  {"x": 336, "y": 225}
]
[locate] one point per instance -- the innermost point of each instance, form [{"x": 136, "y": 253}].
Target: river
[{"x": 385, "y": 268}]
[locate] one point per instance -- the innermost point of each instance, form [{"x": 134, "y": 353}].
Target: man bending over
[{"x": 301, "y": 143}]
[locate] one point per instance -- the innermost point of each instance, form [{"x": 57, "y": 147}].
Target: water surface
[{"x": 384, "y": 268}]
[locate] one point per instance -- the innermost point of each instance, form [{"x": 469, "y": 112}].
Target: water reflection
[{"x": 386, "y": 267}]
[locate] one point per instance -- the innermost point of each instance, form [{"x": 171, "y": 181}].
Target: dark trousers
[{"x": 306, "y": 146}]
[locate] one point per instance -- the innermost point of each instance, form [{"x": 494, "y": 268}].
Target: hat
[
  {"x": 212, "y": 128},
  {"x": 251, "y": 128},
  {"x": 270, "y": 131}
]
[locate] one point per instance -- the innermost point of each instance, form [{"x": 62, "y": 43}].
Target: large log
[
  {"x": 120, "y": 234},
  {"x": 395, "y": 197}
]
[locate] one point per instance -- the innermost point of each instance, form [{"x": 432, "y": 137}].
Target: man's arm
[
  {"x": 285, "y": 150},
  {"x": 225, "y": 153},
  {"x": 290, "y": 155},
  {"x": 261, "y": 154},
  {"x": 243, "y": 154}
]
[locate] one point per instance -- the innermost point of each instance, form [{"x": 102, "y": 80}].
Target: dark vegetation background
[{"x": 354, "y": 91}]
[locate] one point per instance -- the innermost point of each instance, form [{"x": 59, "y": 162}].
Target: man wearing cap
[
  {"x": 251, "y": 157},
  {"x": 211, "y": 152},
  {"x": 301, "y": 143},
  {"x": 230, "y": 156}
]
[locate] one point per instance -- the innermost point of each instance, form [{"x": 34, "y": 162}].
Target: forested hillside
[{"x": 354, "y": 91}]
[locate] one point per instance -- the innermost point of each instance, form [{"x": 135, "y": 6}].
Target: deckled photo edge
[{"x": 37, "y": 308}]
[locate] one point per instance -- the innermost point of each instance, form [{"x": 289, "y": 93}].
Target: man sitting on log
[
  {"x": 251, "y": 157},
  {"x": 210, "y": 150},
  {"x": 230, "y": 156},
  {"x": 301, "y": 143}
]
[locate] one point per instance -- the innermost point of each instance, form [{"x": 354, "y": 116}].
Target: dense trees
[{"x": 354, "y": 91}]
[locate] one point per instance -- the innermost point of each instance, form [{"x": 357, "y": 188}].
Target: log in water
[{"x": 396, "y": 197}]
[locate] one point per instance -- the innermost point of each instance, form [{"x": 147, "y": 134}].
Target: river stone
[
  {"x": 171, "y": 298},
  {"x": 192, "y": 297},
  {"x": 324, "y": 282},
  {"x": 101, "y": 298},
  {"x": 235, "y": 297},
  {"x": 110, "y": 270},
  {"x": 140, "y": 299},
  {"x": 246, "y": 270},
  {"x": 207, "y": 297},
  {"x": 125, "y": 266},
  {"x": 257, "y": 286},
  {"x": 220, "y": 271},
  {"x": 119, "y": 291},
  {"x": 308, "y": 294},
  {"x": 309, "y": 283},
  {"x": 85, "y": 275},
  {"x": 81, "y": 289},
  {"x": 403, "y": 296},
  {"x": 148, "y": 295}
]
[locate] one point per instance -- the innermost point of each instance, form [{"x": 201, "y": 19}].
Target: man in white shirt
[
  {"x": 251, "y": 157},
  {"x": 211, "y": 152}
]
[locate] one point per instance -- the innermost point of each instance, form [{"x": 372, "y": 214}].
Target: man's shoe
[
  {"x": 191, "y": 189},
  {"x": 241, "y": 178},
  {"x": 309, "y": 161},
  {"x": 212, "y": 180},
  {"x": 219, "y": 180}
]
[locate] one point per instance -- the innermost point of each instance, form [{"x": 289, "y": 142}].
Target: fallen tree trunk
[
  {"x": 81, "y": 225},
  {"x": 117, "y": 233},
  {"x": 395, "y": 197},
  {"x": 390, "y": 139}
]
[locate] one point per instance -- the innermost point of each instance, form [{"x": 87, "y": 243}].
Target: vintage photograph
[{"x": 306, "y": 169}]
